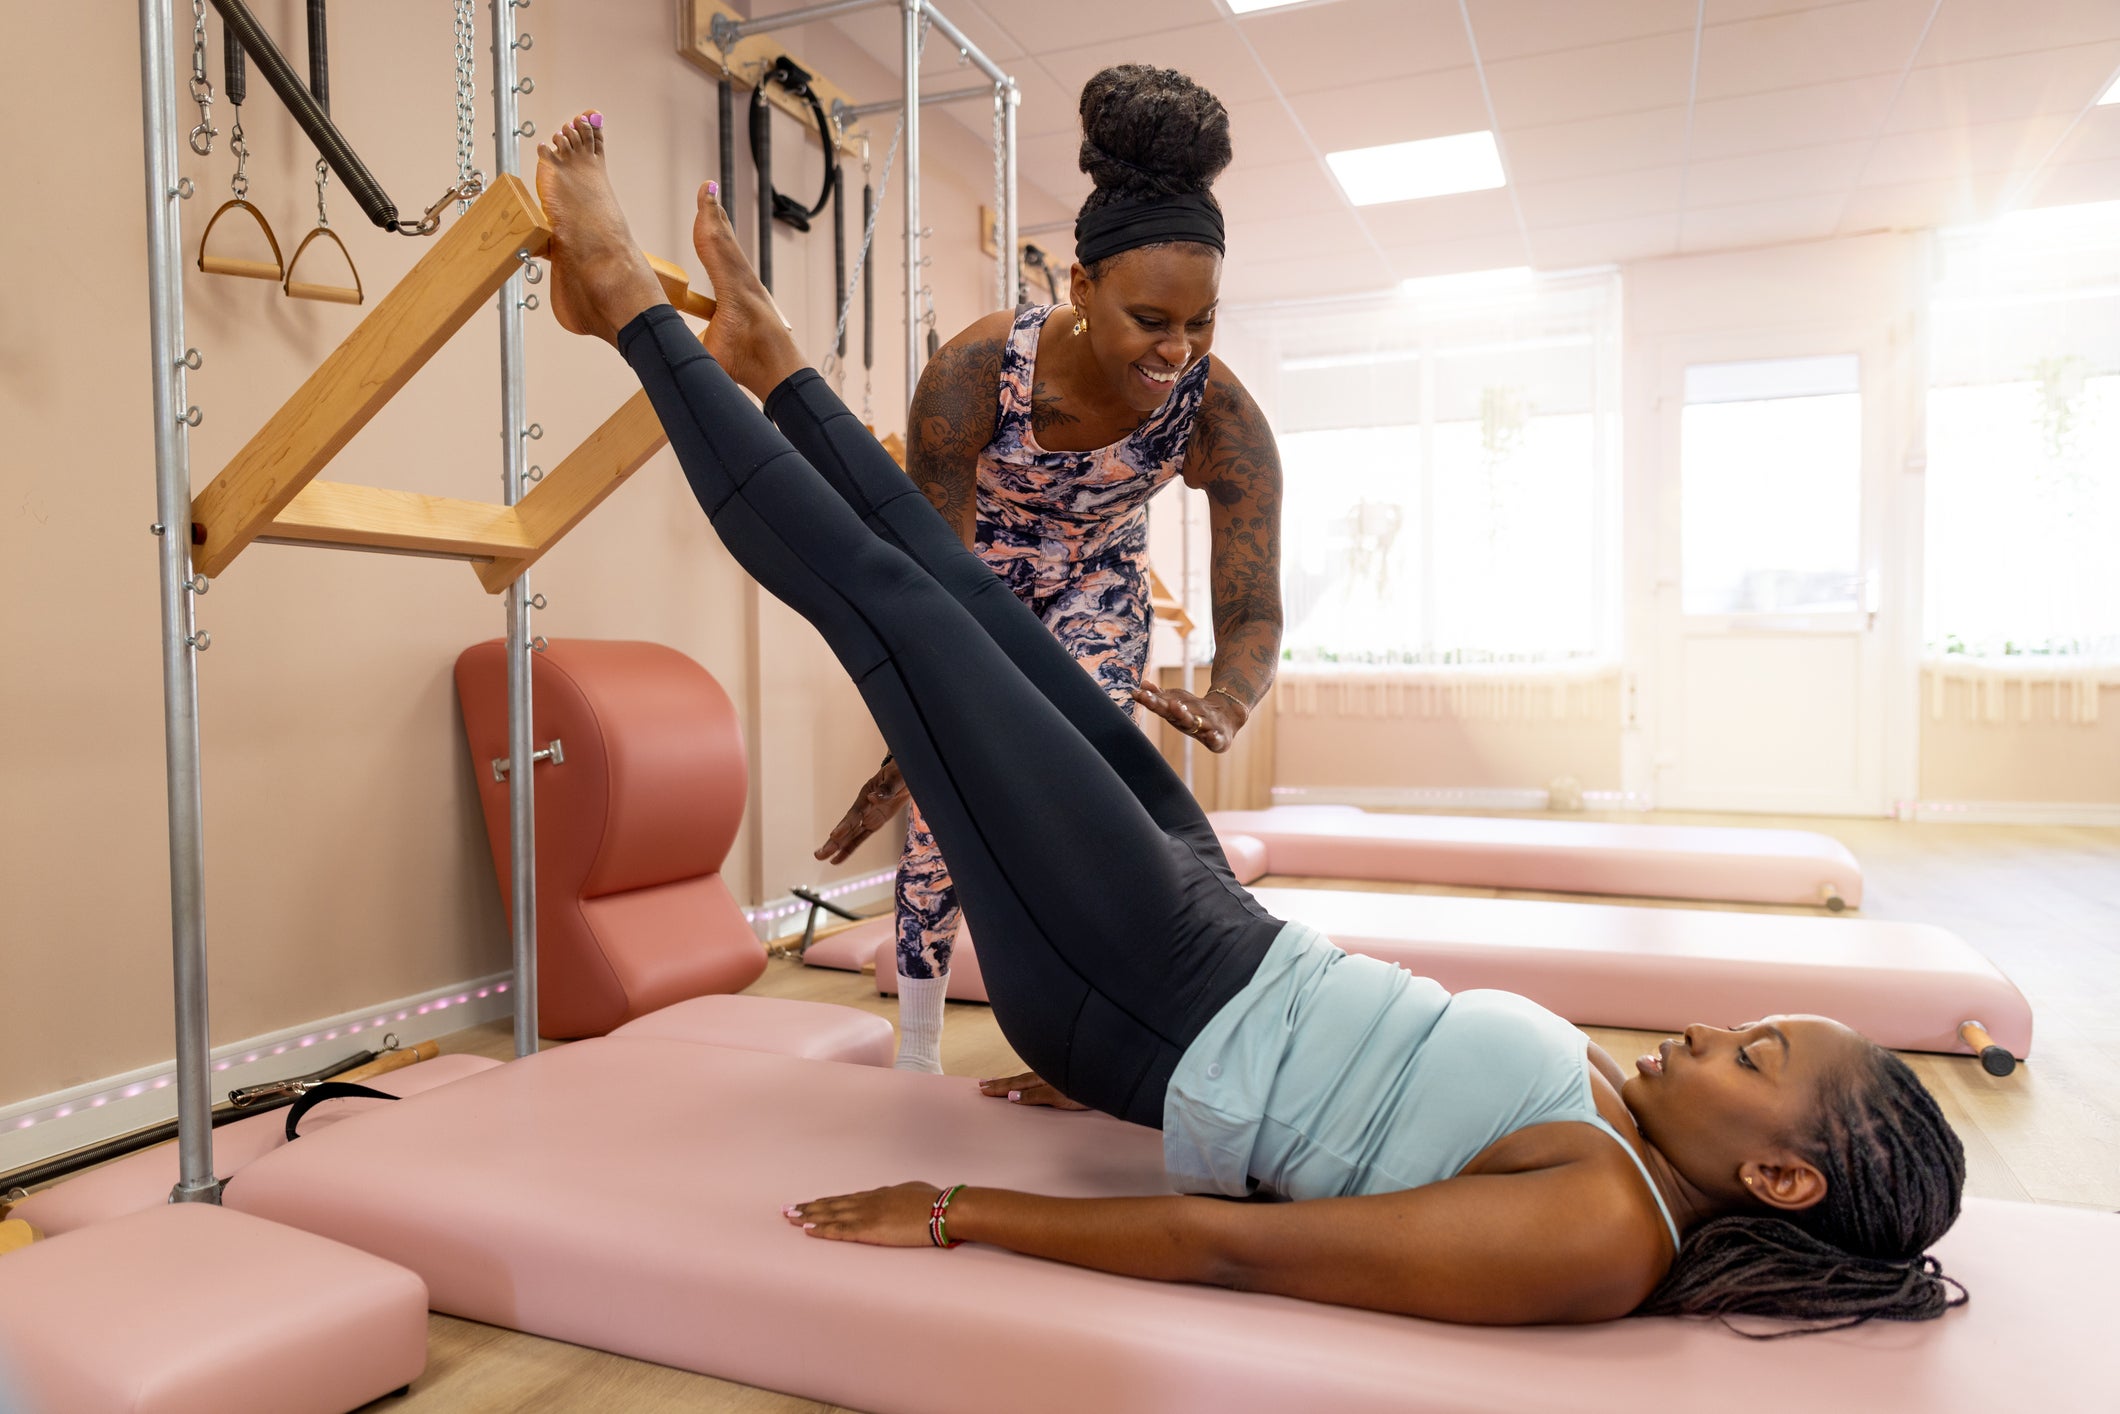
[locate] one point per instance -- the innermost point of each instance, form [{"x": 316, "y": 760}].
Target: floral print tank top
[{"x": 1062, "y": 509}]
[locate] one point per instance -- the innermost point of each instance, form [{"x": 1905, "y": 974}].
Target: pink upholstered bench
[
  {"x": 1553, "y": 856},
  {"x": 139, "y": 1182},
  {"x": 671, "y": 1248},
  {"x": 1904, "y": 985},
  {"x": 194, "y": 1309},
  {"x": 806, "y": 1030}
]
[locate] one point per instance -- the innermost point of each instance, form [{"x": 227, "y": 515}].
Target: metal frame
[
  {"x": 727, "y": 33},
  {"x": 169, "y": 360}
]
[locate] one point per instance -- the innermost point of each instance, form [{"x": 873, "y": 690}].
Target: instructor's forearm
[
  {"x": 1246, "y": 656},
  {"x": 1161, "y": 1239}
]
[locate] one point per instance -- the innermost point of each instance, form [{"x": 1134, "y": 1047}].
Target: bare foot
[
  {"x": 747, "y": 335},
  {"x": 600, "y": 280}
]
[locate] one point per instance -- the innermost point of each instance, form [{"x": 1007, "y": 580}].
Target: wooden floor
[{"x": 2043, "y": 902}]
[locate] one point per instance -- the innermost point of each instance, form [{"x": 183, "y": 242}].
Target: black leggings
[{"x": 1110, "y": 927}]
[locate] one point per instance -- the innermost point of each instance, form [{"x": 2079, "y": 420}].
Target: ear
[
  {"x": 1080, "y": 287},
  {"x": 1790, "y": 1183}
]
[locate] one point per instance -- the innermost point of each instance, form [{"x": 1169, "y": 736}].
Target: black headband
[{"x": 1128, "y": 225}]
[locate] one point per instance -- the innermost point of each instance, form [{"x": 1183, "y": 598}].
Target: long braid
[{"x": 1894, "y": 1172}]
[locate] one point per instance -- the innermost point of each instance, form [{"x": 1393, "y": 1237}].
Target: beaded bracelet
[{"x": 938, "y": 1231}]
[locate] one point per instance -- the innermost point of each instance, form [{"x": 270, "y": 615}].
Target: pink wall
[
  {"x": 2037, "y": 761},
  {"x": 346, "y": 861}
]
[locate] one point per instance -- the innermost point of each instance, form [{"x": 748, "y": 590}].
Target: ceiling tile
[
  {"x": 881, "y": 34},
  {"x": 1559, "y": 151},
  {"x": 1268, "y": 193},
  {"x": 1913, "y": 206},
  {"x": 2074, "y": 183},
  {"x": 2016, "y": 86},
  {"x": 1472, "y": 213},
  {"x": 1262, "y": 131},
  {"x": 1588, "y": 83},
  {"x": 1945, "y": 153},
  {"x": 1604, "y": 242},
  {"x": 1457, "y": 257},
  {"x": 2096, "y": 136},
  {"x": 1049, "y": 160},
  {"x": 1515, "y": 29},
  {"x": 1394, "y": 110},
  {"x": 1041, "y": 27},
  {"x": 1791, "y": 117},
  {"x": 1307, "y": 278},
  {"x": 1760, "y": 223},
  {"x": 1722, "y": 12},
  {"x": 1811, "y": 46},
  {"x": 1799, "y": 171},
  {"x": 1357, "y": 41},
  {"x": 1046, "y": 106},
  {"x": 1976, "y": 31},
  {"x": 1318, "y": 233},
  {"x": 1589, "y": 200},
  {"x": 1213, "y": 55}
]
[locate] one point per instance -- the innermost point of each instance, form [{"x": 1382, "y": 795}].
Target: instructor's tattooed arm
[
  {"x": 954, "y": 412},
  {"x": 1233, "y": 459}
]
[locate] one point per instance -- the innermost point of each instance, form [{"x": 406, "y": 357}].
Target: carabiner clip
[{"x": 466, "y": 190}]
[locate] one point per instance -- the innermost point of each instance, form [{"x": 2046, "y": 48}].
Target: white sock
[{"x": 920, "y": 1023}]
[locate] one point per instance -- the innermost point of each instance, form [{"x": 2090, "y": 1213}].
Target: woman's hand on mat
[
  {"x": 1213, "y": 720},
  {"x": 882, "y": 1217},
  {"x": 1027, "y": 1089},
  {"x": 879, "y": 800}
]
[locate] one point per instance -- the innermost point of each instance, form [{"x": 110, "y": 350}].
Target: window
[
  {"x": 1449, "y": 476},
  {"x": 1770, "y": 486},
  {"x": 2023, "y": 497}
]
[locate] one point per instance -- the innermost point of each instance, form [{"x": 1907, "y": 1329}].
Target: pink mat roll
[
  {"x": 1553, "y": 856},
  {"x": 625, "y": 1194}
]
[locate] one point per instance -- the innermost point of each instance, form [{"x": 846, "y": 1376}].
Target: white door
[{"x": 1769, "y": 670}]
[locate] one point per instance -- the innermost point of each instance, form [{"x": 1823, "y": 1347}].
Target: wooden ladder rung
[{"x": 332, "y": 514}]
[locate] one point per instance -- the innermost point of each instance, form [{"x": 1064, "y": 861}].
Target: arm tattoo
[
  {"x": 1233, "y": 458},
  {"x": 952, "y": 420}
]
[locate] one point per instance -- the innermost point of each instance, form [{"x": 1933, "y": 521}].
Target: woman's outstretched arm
[{"x": 1570, "y": 1243}]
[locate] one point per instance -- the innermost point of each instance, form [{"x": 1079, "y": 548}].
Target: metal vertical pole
[
  {"x": 1011, "y": 269},
  {"x": 180, "y": 669},
  {"x": 522, "y": 776},
  {"x": 913, "y": 10}
]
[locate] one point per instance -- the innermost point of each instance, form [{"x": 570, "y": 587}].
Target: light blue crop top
[{"x": 1332, "y": 1075}]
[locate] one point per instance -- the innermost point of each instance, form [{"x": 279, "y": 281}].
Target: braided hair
[
  {"x": 1894, "y": 1175},
  {"x": 1149, "y": 132}
]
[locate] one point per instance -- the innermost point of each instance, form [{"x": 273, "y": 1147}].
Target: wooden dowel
[
  {"x": 335, "y": 294},
  {"x": 1993, "y": 1058},
  {"x": 389, "y": 1061},
  {"x": 248, "y": 269}
]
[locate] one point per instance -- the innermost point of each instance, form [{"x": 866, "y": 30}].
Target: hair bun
[{"x": 1149, "y": 132}]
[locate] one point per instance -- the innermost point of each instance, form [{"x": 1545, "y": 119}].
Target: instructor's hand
[
  {"x": 1213, "y": 720},
  {"x": 878, "y": 802},
  {"x": 1027, "y": 1089}
]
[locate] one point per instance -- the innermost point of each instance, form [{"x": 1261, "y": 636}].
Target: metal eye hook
[
  {"x": 534, "y": 474},
  {"x": 185, "y": 189},
  {"x": 198, "y": 584},
  {"x": 537, "y": 601},
  {"x": 522, "y": 41},
  {"x": 538, "y": 644},
  {"x": 527, "y": 302},
  {"x": 532, "y": 271},
  {"x": 535, "y": 431},
  {"x": 528, "y": 129},
  {"x": 526, "y": 86},
  {"x": 192, "y": 417},
  {"x": 192, "y": 360}
]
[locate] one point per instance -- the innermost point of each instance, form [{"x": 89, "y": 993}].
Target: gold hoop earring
[{"x": 1082, "y": 326}]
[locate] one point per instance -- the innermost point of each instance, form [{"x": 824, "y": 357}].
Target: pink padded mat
[
  {"x": 199, "y": 1310},
  {"x": 1553, "y": 856},
  {"x": 625, "y": 1193},
  {"x": 1904, "y": 985}
]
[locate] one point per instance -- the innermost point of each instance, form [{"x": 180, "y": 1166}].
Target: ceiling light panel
[{"x": 1410, "y": 171}]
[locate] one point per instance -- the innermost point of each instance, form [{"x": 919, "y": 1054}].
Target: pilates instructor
[{"x": 1041, "y": 434}]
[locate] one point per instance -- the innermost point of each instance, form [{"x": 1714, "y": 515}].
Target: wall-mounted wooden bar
[
  {"x": 1168, "y": 606},
  {"x": 471, "y": 260},
  {"x": 329, "y": 513},
  {"x": 695, "y": 42}
]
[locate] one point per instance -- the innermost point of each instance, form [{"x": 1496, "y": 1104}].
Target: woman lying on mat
[{"x": 1469, "y": 1158}]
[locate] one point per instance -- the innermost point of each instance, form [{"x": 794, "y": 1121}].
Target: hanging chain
[
  {"x": 868, "y": 234},
  {"x": 1006, "y": 259},
  {"x": 466, "y": 96},
  {"x": 203, "y": 135}
]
